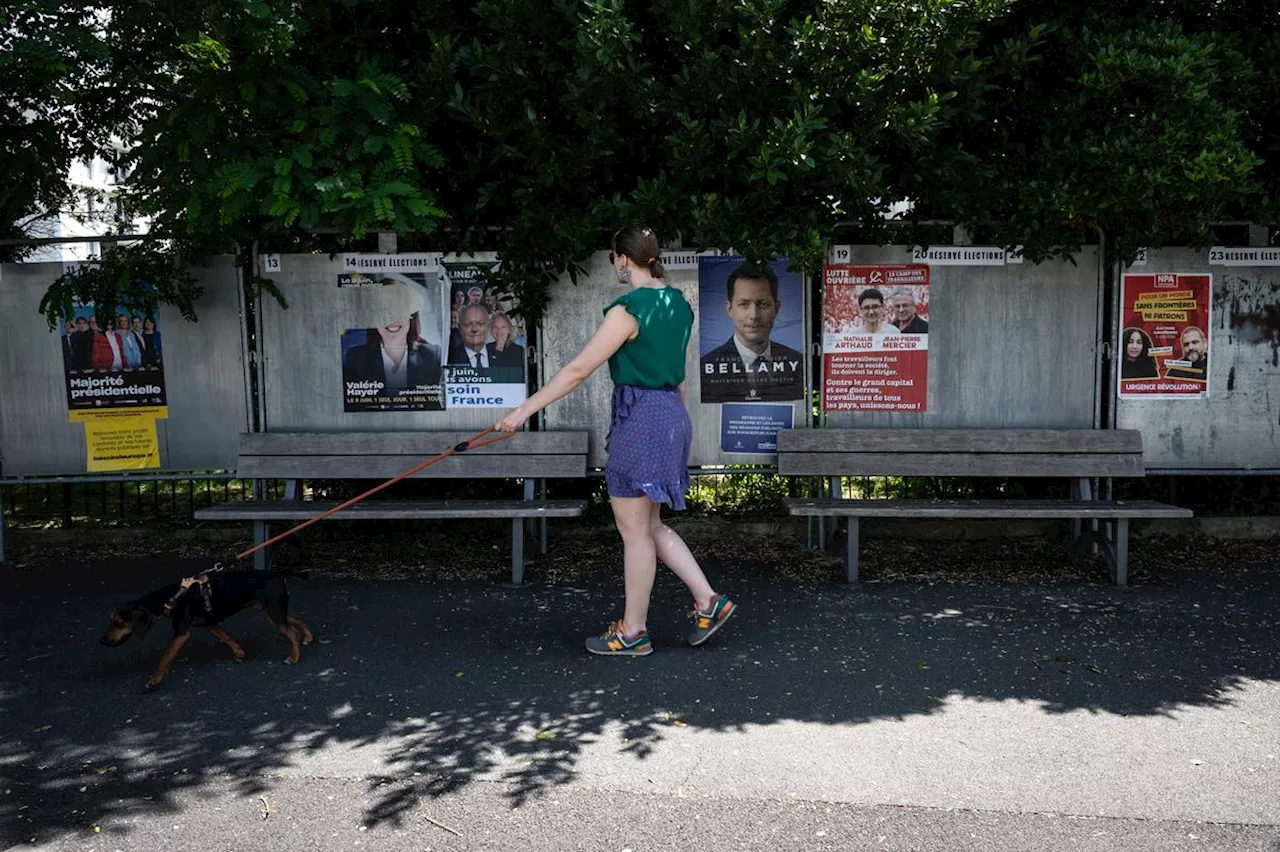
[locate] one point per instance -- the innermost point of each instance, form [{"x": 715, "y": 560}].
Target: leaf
[{"x": 547, "y": 735}]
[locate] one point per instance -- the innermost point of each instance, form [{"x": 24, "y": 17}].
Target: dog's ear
[{"x": 142, "y": 621}]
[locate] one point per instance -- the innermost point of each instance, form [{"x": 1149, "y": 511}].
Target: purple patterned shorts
[{"x": 648, "y": 445}]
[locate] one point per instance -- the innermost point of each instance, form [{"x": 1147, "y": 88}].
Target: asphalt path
[{"x": 458, "y": 715}]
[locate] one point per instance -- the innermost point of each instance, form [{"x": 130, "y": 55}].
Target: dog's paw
[
  {"x": 153, "y": 683},
  {"x": 290, "y": 660},
  {"x": 238, "y": 655}
]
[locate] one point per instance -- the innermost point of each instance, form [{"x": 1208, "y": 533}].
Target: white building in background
[{"x": 93, "y": 215}]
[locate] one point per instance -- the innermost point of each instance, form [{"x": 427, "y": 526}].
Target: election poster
[
  {"x": 751, "y": 428},
  {"x": 392, "y": 347},
  {"x": 121, "y": 440},
  {"x": 485, "y": 367},
  {"x": 751, "y": 330},
  {"x": 875, "y": 338},
  {"x": 114, "y": 368},
  {"x": 1164, "y": 336}
]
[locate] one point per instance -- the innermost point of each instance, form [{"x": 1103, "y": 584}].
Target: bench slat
[
  {"x": 1084, "y": 441},
  {"x": 892, "y": 463},
  {"x": 417, "y": 444},
  {"x": 462, "y": 466},
  {"x": 986, "y": 508},
  {"x": 301, "y": 510}
]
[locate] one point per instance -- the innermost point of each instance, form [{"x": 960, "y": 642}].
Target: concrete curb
[{"x": 1244, "y": 528}]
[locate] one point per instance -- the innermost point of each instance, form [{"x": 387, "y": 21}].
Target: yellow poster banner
[
  {"x": 123, "y": 441},
  {"x": 157, "y": 412}
]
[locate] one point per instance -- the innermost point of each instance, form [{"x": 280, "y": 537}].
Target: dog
[{"x": 205, "y": 601}]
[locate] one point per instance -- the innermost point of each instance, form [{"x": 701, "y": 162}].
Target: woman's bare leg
[
  {"x": 672, "y": 550},
  {"x": 640, "y": 562}
]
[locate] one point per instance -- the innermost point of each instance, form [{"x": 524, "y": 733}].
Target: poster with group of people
[
  {"x": 114, "y": 378},
  {"x": 121, "y": 366},
  {"x": 424, "y": 335},
  {"x": 1164, "y": 336},
  {"x": 875, "y": 337}
]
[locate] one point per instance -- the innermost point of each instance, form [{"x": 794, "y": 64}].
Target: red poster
[
  {"x": 1164, "y": 336},
  {"x": 875, "y": 338}
]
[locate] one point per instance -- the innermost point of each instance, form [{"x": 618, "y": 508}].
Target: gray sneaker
[
  {"x": 709, "y": 620},
  {"x": 614, "y": 644}
]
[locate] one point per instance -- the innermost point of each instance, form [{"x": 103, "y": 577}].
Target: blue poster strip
[{"x": 752, "y": 427}]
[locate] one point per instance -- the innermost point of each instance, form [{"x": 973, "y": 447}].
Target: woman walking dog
[{"x": 643, "y": 336}]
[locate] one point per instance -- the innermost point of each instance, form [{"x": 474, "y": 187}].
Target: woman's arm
[{"x": 618, "y": 327}]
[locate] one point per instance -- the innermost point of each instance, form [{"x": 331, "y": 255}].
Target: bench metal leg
[
  {"x": 517, "y": 551},
  {"x": 542, "y": 522},
  {"x": 259, "y": 536},
  {"x": 1073, "y": 541},
  {"x": 851, "y": 551},
  {"x": 521, "y": 528},
  {"x": 836, "y": 492},
  {"x": 535, "y": 529},
  {"x": 1120, "y": 572}
]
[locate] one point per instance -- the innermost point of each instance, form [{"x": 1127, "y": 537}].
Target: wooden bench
[
  {"x": 298, "y": 456},
  {"x": 1076, "y": 454}
]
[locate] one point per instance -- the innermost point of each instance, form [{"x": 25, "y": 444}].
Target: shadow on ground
[{"x": 423, "y": 686}]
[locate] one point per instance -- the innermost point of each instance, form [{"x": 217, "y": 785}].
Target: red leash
[{"x": 470, "y": 443}]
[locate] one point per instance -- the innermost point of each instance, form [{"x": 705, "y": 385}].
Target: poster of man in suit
[
  {"x": 751, "y": 330},
  {"x": 487, "y": 343}
]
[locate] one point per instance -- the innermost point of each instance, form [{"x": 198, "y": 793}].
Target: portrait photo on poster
[
  {"x": 875, "y": 337},
  {"x": 486, "y": 363},
  {"x": 750, "y": 330},
  {"x": 1163, "y": 347},
  {"x": 116, "y": 367},
  {"x": 392, "y": 343}
]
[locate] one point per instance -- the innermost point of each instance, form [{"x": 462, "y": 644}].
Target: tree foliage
[
  {"x": 47, "y": 50},
  {"x": 536, "y": 127}
]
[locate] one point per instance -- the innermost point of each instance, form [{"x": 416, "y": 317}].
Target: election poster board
[
  {"x": 751, "y": 330},
  {"x": 875, "y": 337},
  {"x": 392, "y": 348},
  {"x": 486, "y": 364},
  {"x": 114, "y": 368},
  {"x": 115, "y": 384},
  {"x": 1164, "y": 336}
]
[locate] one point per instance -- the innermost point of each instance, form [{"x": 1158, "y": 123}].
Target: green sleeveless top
[{"x": 655, "y": 358}]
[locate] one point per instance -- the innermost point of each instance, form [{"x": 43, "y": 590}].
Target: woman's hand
[{"x": 512, "y": 420}]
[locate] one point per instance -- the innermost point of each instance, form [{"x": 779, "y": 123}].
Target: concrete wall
[
  {"x": 1238, "y": 426},
  {"x": 574, "y": 313},
  {"x": 1009, "y": 346},
  {"x": 302, "y": 359},
  {"x": 203, "y": 366}
]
